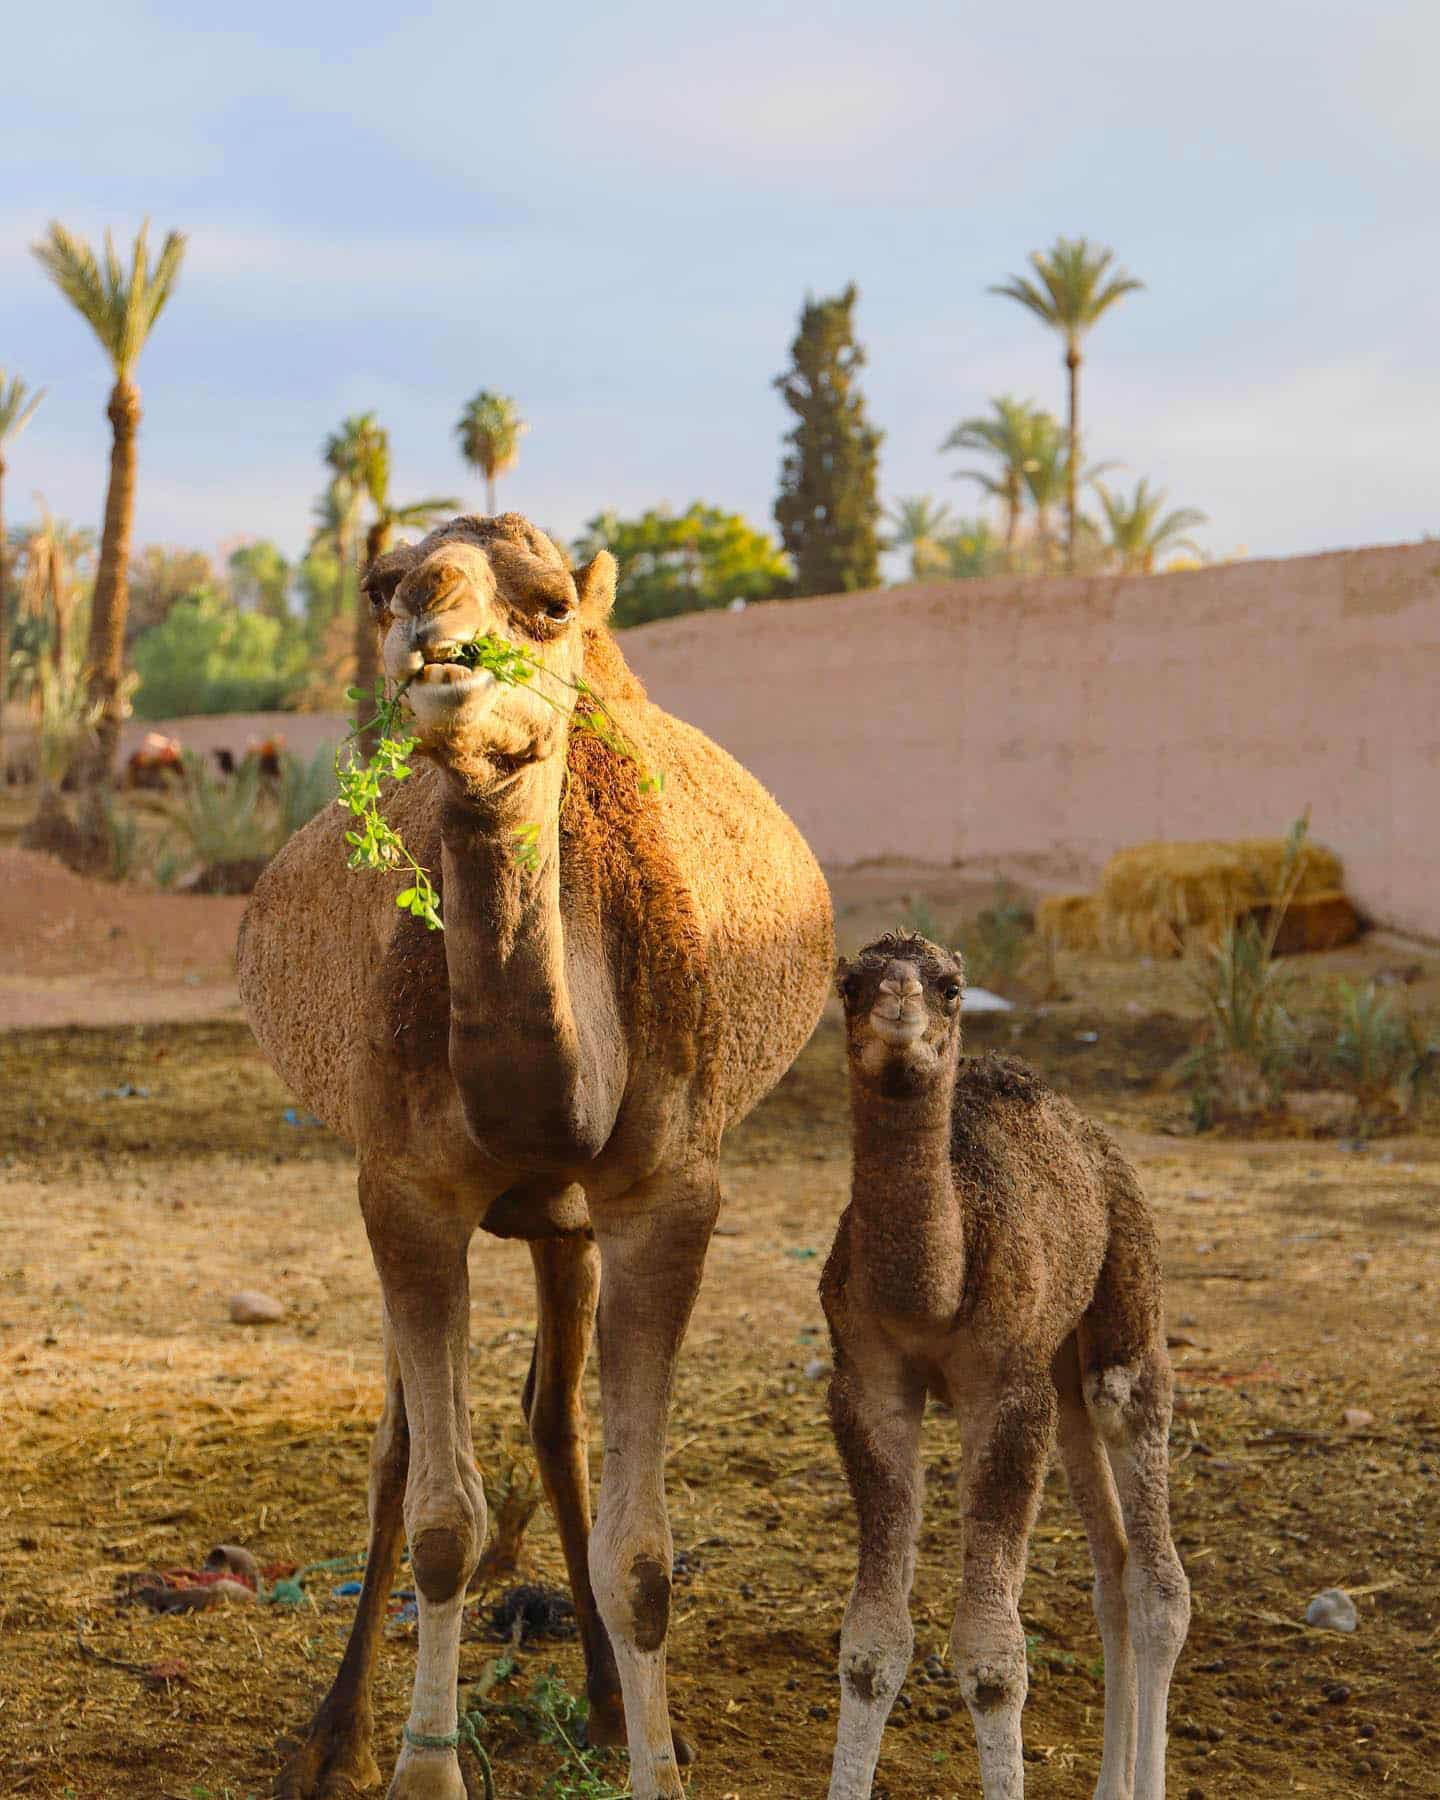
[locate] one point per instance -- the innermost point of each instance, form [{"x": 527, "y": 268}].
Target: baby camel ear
[{"x": 595, "y": 584}]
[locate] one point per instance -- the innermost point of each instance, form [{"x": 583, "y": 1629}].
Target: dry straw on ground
[{"x": 1154, "y": 898}]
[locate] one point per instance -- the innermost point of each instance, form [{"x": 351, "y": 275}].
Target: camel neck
[
  {"x": 908, "y": 1224},
  {"x": 534, "y": 1091}
]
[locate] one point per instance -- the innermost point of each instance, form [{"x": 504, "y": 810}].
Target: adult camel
[{"x": 559, "y": 1065}]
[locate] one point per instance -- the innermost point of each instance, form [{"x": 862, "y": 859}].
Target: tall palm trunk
[
  {"x": 367, "y": 639},
  {"x": 1072, "y": 364},
  {"x": 1012, "y": 517},
  {"x": 106, "y": 650},
  {"x": 490, "y": 492}
]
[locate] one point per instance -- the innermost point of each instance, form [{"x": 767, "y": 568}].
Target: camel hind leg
[
  {"x": 1092, "y": 1487},
  {"x": 1127, "y": 1384},
  {"x": 567, "y": 1291}
]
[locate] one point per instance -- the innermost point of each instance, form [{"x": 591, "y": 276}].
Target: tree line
[{"x": 266, "y": 631}]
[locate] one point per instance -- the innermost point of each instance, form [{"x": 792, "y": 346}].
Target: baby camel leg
[
  {"x": 567, "y": 1289},
  {"x": 876, "y": 1418},
  {"x": 1093, "y": 1490},
  {"x": 1005, "y": 1467},
  {"x": 1131, "y": 1405},
  {"x": 652, "y": 1250},
  {"x": 419, "y": 1252},
  {"x": 336, "y": 1758}
]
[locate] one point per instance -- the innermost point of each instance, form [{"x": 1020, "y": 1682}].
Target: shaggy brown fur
[
  {"x": 560, "y": 1065},
  {"x": 998, "y": 1253}
]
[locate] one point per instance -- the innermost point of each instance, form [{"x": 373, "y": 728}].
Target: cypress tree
[{"x": 827, "y": 508}]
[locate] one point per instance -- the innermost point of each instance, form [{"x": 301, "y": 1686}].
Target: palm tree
[
  {"x": 1047, "y": 477},
  {"x": 489, "y": 430},
  {"x": 971, "y": 550},
  {"x": 1139, "y": 530},
  {"x": 920, "y": 527},
  {"x": 1007, "y": 436},
  {"x": 1075, "y": 288},
  {"x": 17, "y": 407},
  {"x": 388, "y": 517},
  {"x": 121, "y": 309},
  {"x": 346, "y": 452}
]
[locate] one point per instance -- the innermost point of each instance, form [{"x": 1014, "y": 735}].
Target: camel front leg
[
  {"x": 420, "y": 1252},
  {"x": 876, "y": 1405},
  {"x": 652, "y": 1250},
  {"x": 336, "y": 1758},
  {"x": 1008, "y": 1446}
]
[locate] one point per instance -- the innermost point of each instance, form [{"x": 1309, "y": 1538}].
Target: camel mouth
[
  {"x": 898, "y": 1024},
  {"x": 441, "y": 684}
]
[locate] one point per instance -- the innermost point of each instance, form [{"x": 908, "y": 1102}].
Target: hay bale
[
  {"x": 1153, "y": 896},
  {"x": 1069, "y": 921},
  {"x": 1312, "y": 922}
]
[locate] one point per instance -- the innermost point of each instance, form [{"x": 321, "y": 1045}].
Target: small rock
[
  {"x": 1332, "y": 1610},
  {"x": 250, "y": 1307},
  {"x": 816, "y": 1369},
  {"x": 1355, "y": 1418},
  {"x": 1337, "y": 1693},
  {"x": 1180, "y": 1340}
]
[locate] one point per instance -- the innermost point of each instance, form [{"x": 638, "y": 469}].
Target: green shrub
[
  {"x": 305, "y": 789},
  {"x": 208, "y": 657},
  {"x": 224, "y": 818},
  {"x": 1379, "y": 1052}
]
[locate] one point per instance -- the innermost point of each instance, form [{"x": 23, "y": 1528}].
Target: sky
[{"x": 614, "y": 215}]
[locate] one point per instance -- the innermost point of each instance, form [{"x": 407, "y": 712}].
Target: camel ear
[
  {"x": 595, "y": 584},
  {"x": 842, "y": 968}
]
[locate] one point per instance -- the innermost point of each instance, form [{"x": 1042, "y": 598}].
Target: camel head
[
  {"x": 498, "y": 578},
  {"x": 902, "y": 1011}
]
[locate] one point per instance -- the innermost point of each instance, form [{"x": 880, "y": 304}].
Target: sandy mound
[{"x": 77, "y": 951}]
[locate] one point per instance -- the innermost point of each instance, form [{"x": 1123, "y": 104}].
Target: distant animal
[
  {"x": 157, "y": 760},
  {"x": 224, "y": 761},
  {"x": 559, "y": 1065},
  {"x": 268, "y": 753},
  {"x": 998, "y": 1254}
]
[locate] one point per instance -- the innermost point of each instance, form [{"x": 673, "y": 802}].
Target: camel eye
[
  {"x": 559, "y": 610},
  {"x": 849, "y": 986},
  {"x": 951, "y": 990}
]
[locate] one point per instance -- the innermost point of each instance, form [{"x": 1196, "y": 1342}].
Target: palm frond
[
  {"x": 17, "y": 405},
  {"x": 120, "y": 309}
]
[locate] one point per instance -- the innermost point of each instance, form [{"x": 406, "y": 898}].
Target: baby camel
[{"x": 997, "y": 1252}]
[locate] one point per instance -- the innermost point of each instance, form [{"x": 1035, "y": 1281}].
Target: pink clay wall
[{"x": 957, "y": 720}]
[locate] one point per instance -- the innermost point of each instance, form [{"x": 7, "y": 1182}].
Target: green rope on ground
[
  {"x": 289, "y": 1590},
  {"x": 425, "y": 1740},
  {"x": 471, "y": 1737}
]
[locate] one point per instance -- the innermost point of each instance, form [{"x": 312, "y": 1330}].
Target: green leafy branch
[{"x": 374, "y": 843}]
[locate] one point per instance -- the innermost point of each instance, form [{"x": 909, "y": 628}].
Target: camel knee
[
  {"x": 446, "y": 1535},
  {"x": 989, "y": 1659},
  {"x": 632, "y": 1592},
  {"x": 875, "y": 1650}
]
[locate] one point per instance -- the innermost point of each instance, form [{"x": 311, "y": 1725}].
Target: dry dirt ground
[{"x": 148, "y": 1170}]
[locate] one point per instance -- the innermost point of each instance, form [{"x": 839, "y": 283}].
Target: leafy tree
[
  {"x": 827, "y": 508},
  {"x": 207, "y": 656},
  {"x": 121, "y": 309},
  {"x": 17, "y": 408},
  {"x": 489, "y": 429},
  {"x": 1007, "y": 434},
  {"x": 159, "y": 576},
  {"x": 687, "y": 562},
  {"x": 1073, "y": 289},
  {"x": 1140, "y": 530},
  {"x": 920, "y": 526},
  {"x": 388, "y": 517},
  {"x": 260, "y": 578}
]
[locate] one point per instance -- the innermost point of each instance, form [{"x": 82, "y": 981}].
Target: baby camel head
[
  {"x": 499, "y": 578},
  {"x": 902, "y": 1012}
]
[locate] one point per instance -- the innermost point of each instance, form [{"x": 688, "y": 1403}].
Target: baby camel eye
[
  {"x": 559, "y": 610},
  {"x": 951, "y": 990}
]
